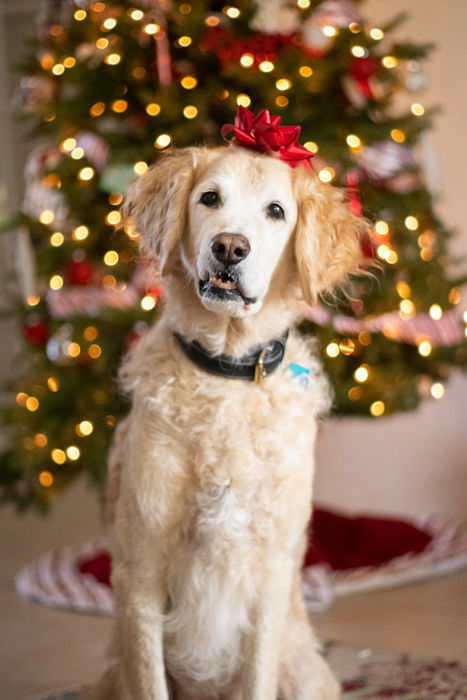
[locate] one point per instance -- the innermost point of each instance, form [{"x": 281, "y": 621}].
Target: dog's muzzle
[{"x": 223, "y": 280}]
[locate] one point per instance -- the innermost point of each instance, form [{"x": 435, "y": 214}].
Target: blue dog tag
[{"x": 300, "y": 374}]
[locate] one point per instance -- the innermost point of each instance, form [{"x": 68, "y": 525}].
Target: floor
[{"x": 42, "y": 649}]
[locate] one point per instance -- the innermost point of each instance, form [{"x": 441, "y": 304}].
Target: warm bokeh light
[
  {"x": 436, "y": 312},
  {"x": 232, "y": 12},
  {"x": 97, "y": 109},
  {"x": 119, "y": 106},
  {"x": 114, "y": 217},
  {"x": 332, "y": 350},
  {"x": 94, "y": 351},
  {"x": 397, "y": 135},
  {"x": 90, "y": 333},
  {"x": 353, "y": 141},
  {"x": 32, "y": 403},
  {"x": 73, "y": 349},
  {"x": 266, "y": 66},
  {"x": 190, "y": 112},
  {"x": 53, "y": 384},
  {"x": 162, "y": 141},
  {"x": 84, "y": 428},
  {"x": 418, "y": 109},
  {"x": 362, "y": 373},
  {"x": 403, "y": 290},
  {"x": 152, "y": 28},
  {"x": 437, "y": 390},
  {"x": 376, "y": 33},
  {"x": 283, "y": 84},
  {"x": 377, "y": 408},
  {"x": 148, "y": 302},
  {"x": 329, "y": 31},
  {"x": 56, "y": 282},
  {"x": 58, "y": 456},
  {"x": 243, "y": 100},
  {"x": 411, "y": 222},
  {"x": 111, "y": 257},
  {"x": 389, "y": 62},
  {"x": 247, "y": 60},
  {"x": 425, "y": 348},
  {"x": 184, "y": 41},
  {"x": 326, "y": 174},
  {"x": 73, "y": 452},
  {"x": 140, "y": 168},
  {"x": 45, "y": 478},
  {"x": 189, "y": 82},
  {"x": 112, "y": 59},
  {"x": 86, "y": 173},
  {"x": 80, "y": 233},
  {"x": 381, "y": 227},
  {"x": 153, "y": 109},
  {"x": 56, "y": 239}
]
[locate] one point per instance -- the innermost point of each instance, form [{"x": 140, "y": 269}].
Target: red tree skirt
[{"x": 346, "y": 555}]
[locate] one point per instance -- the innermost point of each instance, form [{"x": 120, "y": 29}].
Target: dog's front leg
[
  {"x": 263, "y": 642},
  {"x": 140, "y": 609}
]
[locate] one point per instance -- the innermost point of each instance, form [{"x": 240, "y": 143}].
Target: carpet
[
  {"x": 346, "y": 555},
  {"x": 366, "y": 674}
]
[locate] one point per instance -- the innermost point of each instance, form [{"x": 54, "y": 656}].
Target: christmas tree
[{"x": 107, "y": 86}]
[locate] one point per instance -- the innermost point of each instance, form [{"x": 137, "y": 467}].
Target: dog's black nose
[{"x": 230, "y": 248}]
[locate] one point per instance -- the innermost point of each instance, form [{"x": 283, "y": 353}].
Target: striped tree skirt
[{"x": 346, "y": 555}]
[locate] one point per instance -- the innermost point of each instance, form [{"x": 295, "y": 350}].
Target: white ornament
[
  {"x": 25, "y": 265},
  {"x": 275, "y": 17}
]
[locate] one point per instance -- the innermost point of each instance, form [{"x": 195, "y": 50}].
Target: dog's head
[{"x": 232, "y": 218}]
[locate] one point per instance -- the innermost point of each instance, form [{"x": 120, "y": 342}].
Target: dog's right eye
[{"x": 209, "y": 199}]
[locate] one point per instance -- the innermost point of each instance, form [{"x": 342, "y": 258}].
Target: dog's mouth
[{"x": 225, "y": 287}]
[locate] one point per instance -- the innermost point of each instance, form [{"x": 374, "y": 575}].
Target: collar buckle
[{"x": 260, "y": 372}]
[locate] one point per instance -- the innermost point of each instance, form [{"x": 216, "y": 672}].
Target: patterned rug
[{"x": 366, "y": 674}]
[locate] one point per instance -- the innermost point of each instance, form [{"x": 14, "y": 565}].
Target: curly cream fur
[{"x": 210, "y": 482}]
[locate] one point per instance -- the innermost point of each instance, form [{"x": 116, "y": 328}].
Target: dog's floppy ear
[
  {"x": 327, "y": 237},
  {"x": 156, "y": 204}
]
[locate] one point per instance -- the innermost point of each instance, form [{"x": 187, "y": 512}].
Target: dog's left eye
[{"x": 275, "y": 211}]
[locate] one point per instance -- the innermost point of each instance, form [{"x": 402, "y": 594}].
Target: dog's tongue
[{"x": 222, "y": 284}]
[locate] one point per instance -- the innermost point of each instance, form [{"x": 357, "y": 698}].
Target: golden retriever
[{"x": 211, "y": 476}]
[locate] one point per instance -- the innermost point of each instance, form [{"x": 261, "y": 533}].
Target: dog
[{"x": 210, "y": 483}]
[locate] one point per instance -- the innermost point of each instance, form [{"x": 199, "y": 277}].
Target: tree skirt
[
  {"x": 346, "y": 555},
  {"x": 372, "y": 675}
]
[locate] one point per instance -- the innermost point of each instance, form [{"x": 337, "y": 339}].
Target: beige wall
[{"x": 415, "y": 463}]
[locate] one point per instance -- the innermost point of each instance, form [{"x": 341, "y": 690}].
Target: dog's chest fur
[{"x": 224, "y": 481}]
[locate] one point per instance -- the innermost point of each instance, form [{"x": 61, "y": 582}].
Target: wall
[{"x": 415, "y": 463}]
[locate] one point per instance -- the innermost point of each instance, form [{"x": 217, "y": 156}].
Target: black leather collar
[{"x": 258, "y": 364}]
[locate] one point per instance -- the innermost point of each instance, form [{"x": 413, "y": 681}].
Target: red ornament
[
  {"x": 156, "y": 292},
  {"x": 363, "y": 70},
  {"x": 230, "y": 48},
  {"x": 353, "y": 193},
  {"x": 262, "y": 132},
  {"x": 80, "y": 273},
  {"x": 35, "y": 331}
]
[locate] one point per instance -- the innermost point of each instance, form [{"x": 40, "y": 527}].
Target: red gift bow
[{"x": 261, "y": 132}]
